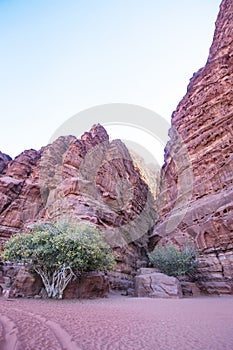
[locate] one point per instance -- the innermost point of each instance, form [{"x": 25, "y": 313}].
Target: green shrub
[
  {"x": 174, "y": 262},
  {"x": 55, "y": 251}
]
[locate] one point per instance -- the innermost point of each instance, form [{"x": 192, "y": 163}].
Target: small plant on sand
[
  {"x": 174, "y": 262},
  {"x": 57, "y": 251}
]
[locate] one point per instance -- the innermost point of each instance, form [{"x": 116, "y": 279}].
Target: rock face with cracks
[
  {"x": 150, "y": 283},
  {"x": 196, "y": 192}
]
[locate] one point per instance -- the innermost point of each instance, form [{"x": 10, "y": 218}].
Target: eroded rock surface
[
  {"x": 196, "y": 198},
  {"x": 4, "y": 159},
  {"x": 150, "y": 283},
  {"x": 26, "y": 284},
  {"x": 89, "y": 179},
  {"x": 89, "y": 285}
]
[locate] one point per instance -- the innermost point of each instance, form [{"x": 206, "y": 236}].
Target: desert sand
[{"x": 117, "y": 323}]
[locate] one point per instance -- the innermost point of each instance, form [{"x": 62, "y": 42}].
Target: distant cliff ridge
[
  {"x": 4, "y": 159},
  {"x": 204, "y": 121}
]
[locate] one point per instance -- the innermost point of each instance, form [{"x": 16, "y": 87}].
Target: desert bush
[
  {"x": 174, "y": 262},
  {"x": 58, "y": 251}
]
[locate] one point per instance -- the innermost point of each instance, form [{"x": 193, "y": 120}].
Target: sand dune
[{"x": 117, "y": 323}]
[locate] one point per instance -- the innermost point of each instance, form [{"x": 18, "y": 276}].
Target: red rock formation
[
  {"x": 197, "y": 177},
  {"x": 89, "y": 179},
  {"x": 4, "y": 159},
  {"x": 20, "y": 200},
  {"x": 153, "y": 284},
  {"x": 25, "y": 284},
  {"x": 89, "y": 285},
  {"x": 19, "y": 281}
]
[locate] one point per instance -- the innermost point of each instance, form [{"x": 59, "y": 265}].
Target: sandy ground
[{"x": 117, "y": 323}]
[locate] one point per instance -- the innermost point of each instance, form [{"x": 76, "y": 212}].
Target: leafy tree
[
  {"x": 174, "y": 262},
  {"x": 57, "y": 251}
]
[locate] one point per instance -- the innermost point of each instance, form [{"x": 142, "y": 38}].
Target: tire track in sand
[
  {"x": 20, "y": 333},
  {"x": 9, "y": 339}
]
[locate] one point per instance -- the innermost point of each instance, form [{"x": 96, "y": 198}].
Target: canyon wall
[{"x": 196, "y": 191}]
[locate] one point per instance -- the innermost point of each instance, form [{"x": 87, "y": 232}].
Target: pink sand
[{"x": 117, "y": 323}]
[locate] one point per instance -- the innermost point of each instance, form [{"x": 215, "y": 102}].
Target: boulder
[
  {"x": 25, "y": 284},
  {"x": 216, "y": 286},
  {"x": 190, "y": 289},
  {"x": 120, "y": 281},
  {"x": 88, "y": 285},
  {"x": 157, "y": 285}
]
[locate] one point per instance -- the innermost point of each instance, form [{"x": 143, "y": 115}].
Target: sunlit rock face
[
  {"x": 90, "y": 179},
  {"x": 196, "y": 193},
  {"x": 20, "y": 200}
]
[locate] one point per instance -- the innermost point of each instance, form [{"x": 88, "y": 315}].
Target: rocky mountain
[
  {"x": 89, "y": 179},
  {"x": 4, "y": 159},
  {"x": 93, "y": 179},
  {"x": 196, "y": 191}
]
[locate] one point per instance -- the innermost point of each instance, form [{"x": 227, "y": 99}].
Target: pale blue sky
[{"x": 59, "y": 57}]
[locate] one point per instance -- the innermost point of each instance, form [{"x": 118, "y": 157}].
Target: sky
[{"x": 60, "y": 57}]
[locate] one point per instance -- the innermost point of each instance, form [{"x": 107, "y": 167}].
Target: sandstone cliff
[
  {"x": 196, "y": 193},
  {"x": 89, "y": 179}
]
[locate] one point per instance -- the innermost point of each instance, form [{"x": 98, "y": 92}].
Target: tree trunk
[{"x": 55, "y": 282}]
